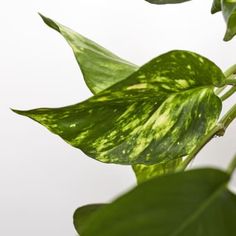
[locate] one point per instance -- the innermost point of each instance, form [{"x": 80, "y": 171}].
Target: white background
[{"x": 42, "y": 179}]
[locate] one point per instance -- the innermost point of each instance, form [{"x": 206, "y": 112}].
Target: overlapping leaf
[
  {"x": 100, "y": 67},
  {"x": 195, "y": 203},
  {"x": 97, "y": 83},
  {"x": 118, "y": 69},
  {"x": 157, "y": 114}
]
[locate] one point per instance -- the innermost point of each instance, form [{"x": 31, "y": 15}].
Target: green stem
[
  {"x": 202, "y": 143},
  {"x": 228, "y": 93},
  {"x": 231, "y": 80},
  {"x": 220, "y": 90},
  {"x": 230, "y": 71},
  {"x": 218, "y": 130},
  {"x": 223, "y": 124},
  {"x": 228, "y": 118},
  {"x": 232, "y": 166}
]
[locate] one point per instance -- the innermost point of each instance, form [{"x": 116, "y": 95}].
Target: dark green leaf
[
  {"x": 166, "y": 1},
  {"x": 216, "y": 6},
  {"x": 157, "y": 114},
  {"x": 195, "y": 203},
  {"x": 229, "y": 12},
  {"x": 100, "y": 68},
  {"x": 82, "y": 214}
]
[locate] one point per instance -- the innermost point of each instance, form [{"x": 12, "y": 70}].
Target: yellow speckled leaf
[
  {"x": 100, "y": 67},
  {"x": 157, "y": 114}
]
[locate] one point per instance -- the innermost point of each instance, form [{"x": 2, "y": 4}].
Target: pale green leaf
[
  {"x": 97, "y": 83},
  {"x": 100, "y": 68},
  {"x": 157, "y": 114},
  {"x": 195, "y": 203}
]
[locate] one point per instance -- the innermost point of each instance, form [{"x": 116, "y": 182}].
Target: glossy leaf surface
[
  {"x": 166, "y": 1},
  {"x": 157, "y": 114},
  {"x": 195, "y": 203},
  {"x": 100, "y": 67},
  {"x": 94, "y": 82}
]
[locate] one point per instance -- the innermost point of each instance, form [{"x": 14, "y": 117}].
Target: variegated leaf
[
  {"x": 157, "y": 114},
  {"x": 82, "y": 214},
  {"x": 228, "y": 8},
  {"x": 123, "y": 68},
  {"x": 100, "y": 67}
]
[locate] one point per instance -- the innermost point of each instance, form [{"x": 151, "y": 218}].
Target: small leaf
[
  {"x": 157, "y": 114},
  {"x": 195, "y": 203},
  {"x": 216, "y": 6},
  {"x": 146, "y": 172},
  {"x": 100, "y": 68},
  {"x": 82, "y": 214},
  {"x": 229, "y": 12},
  {"x": 166, "y": 1}
]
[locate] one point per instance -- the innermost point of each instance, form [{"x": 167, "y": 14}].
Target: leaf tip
[
  {"x": 49, "y": 22},
  {"x": 19, "y": 112},
  {"x": 23, "y": 113},
  {"x": 228, "y": 37}
]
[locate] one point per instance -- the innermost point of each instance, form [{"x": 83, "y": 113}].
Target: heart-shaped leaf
[
  {"x": 166, "y": 1},
  {"x": 195, "y": 203},
  {"x": 100, "y": 67},
  {"x": 98, "y": 83},
  {"x": 157, "y": 114}
]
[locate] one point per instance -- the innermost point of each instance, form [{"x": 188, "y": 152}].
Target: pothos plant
[{"x": 156, "y": 118}]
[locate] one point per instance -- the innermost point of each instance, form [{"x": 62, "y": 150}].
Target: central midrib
[{"x": 199, "y": 210}]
